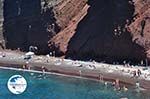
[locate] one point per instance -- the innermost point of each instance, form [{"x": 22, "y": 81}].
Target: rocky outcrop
[
  {"x": 103, "y": 33},
  {"x": 27, "y": 22},
  {"x": 68, "y": 14},
  {"x": 139, "y": 28},
  {"x": 104, "y": 30},
  {"x": 2, "y": 43}
]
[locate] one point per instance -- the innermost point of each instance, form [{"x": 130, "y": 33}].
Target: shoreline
[{"x": 57, "y": 66}]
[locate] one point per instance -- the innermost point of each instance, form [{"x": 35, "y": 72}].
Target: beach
[{"x": 92, "y": 70}]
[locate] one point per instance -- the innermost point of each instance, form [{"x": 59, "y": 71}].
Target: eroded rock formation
[
  {"x": 104, "y": 30},
  {"x": 103, "y": 35},
  {"x": 140, "y": 27},
  {"x": 27, "y": 22}
]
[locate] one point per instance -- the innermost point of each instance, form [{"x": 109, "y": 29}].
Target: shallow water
[{"x": 59, "y": 87}]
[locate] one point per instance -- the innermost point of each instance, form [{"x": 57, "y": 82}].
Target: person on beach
[
  {"x": 134, "y": 73},
  {"x": 100, "y": 77},
  {"x": 92, "y": 66},
  {"x": 28, "y": 67},
  {"x": 139, "y": 72},
  {"x": 47, "y": 61},
  {"x": 24, "y": 66},
  {"x": 80, "y": 72},
  {"x": 43, "y": 69}
]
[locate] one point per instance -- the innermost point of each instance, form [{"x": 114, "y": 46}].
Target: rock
[
  {"x": 107, "y": 31},
  {"x": 94, "y": 36},
  {"x": 26, "y": 22},
  {"x": 139, "y": 28},
  {"x": 102, "y": 30}
]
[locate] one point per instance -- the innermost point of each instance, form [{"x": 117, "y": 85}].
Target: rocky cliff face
[
  {"x": 1, "y": 25},
  {"x": 105, "y": 32},
  {"x": 68, "y": 14},
  {"x": 102, "y": 33},
  {"x": 27, "y": 22},
  {"x": 110, "y": 30},
  {"x": 140, "y": 26}
]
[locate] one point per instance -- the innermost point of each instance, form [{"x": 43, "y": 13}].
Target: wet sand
[{"x": 56, "y": 65}]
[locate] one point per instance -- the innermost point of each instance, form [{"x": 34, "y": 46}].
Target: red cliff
[{"x": 104, "y": 30}]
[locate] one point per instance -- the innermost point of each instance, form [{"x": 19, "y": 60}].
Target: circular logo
[{"x": 17, "y": 84}]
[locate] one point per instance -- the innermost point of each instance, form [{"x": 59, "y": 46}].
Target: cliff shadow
[
  {"x": 102, "y": 34},
  {"x": 26, "y": 23}
]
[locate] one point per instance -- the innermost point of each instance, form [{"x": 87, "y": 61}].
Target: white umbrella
[{"x": 29, "y": 53}]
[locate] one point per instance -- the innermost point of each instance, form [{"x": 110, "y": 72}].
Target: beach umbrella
[{"x": 29, "y": 54}]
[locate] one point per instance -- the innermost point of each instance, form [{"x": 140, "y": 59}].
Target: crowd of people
[{"x": 136, "y": 73}]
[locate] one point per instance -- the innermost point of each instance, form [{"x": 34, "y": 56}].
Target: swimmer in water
[
  {"x": 117, "y": 85},
  {"x": 43, "y": 69},
  {"x": 105, "y": 85},
  {"x": 125, "y": 88},
  {"x": 31, "y": 74},
  {"x": 137, "y": 84}
]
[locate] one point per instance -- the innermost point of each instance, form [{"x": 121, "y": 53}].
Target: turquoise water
[{"x": 59, "y": 87}]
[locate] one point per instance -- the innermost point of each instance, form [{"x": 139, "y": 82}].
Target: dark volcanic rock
[{"x": 27, "y": 22}]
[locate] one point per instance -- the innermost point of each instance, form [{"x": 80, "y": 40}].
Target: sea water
[{"x": 49, "y": 86}]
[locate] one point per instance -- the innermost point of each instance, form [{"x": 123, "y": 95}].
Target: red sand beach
[{"x": 93, "y": 70}]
